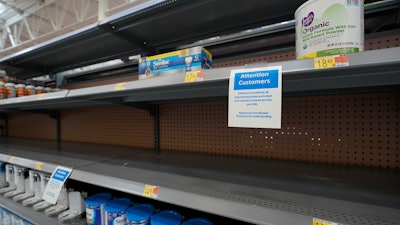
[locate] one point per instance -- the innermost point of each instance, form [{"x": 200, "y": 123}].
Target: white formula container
[{"x": 326, "y": 28}]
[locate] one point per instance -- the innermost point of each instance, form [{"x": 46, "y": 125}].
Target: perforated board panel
[
  {"x": 112, "y": 125},
  {"x": 357, "y": 129},
  {"x": 31, "y": 125},
  {"x": 370, "y": 44}
]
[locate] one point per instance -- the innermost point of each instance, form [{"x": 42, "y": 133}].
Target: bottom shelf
[
  {"x": 27, "y": 213},
  {"x": 250, "y": 190}
]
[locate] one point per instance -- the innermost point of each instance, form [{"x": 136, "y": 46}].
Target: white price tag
[{"x": 55, "y": 184}]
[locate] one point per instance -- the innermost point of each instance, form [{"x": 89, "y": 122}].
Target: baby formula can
[
  {"x": 95, "y": 214},
  {"x": 2, "y": 91},
  {"x": 39, "y": 89},
  {"x": 139, "y": 214},
  {"x": 197, "y": 221},
  {"x": 115, "y": 211},
  {"x": 10, "y": 90},
  {"x": 326, "y": 28},
  {"x": 30, "y": 90},
  {"x": 20, "y": 88},
  {"x": 166, "y": 217}
]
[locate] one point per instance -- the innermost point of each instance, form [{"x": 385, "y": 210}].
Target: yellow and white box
[{"x": 181, "y": 61}]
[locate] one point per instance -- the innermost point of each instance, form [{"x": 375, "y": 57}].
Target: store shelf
[
  {"x": 365, "y": 72},
  {"x": 146, "y": 29},
  {"x": 27, "y": 213},
  {"x": 47, "y": 101},
  {"x": 250, "y": 190},
  {"x": 143, "y": 28}
]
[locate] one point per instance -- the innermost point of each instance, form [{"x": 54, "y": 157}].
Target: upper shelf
[
  {"x": 367, "y": 71},
  {"x": 252, "y": 190},
  {"x": 153, "y": 27},
  {"x": 144, "y": 28}
]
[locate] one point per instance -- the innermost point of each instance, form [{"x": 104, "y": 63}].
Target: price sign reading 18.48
[{"x": 331, "y": 61}]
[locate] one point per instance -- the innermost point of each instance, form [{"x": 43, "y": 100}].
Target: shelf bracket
[
  {"x": 56, "y": 115},
  {"x": 154, "y": 110},
  {"x": 4, "y": 117}
]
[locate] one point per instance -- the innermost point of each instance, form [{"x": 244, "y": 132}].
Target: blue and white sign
[
  {"x": 255, "y": 98},
  {"x": 55, "y": 184}
]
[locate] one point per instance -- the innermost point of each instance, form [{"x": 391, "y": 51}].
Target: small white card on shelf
[{"x": 55, "y": 184}]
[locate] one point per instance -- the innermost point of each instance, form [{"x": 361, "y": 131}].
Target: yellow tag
[
  {"x": 194, "y": 76},
  {"x": 322, "y": 222},
  {"x": 11, "y": 159},
  {"x": 331, "y": 61},
  {"x": 39, "y": 166},
  {"x": 190, "y": 77},
  {"x": 40, "y": 96},
  {"x": 324, "y": 62},
  {"x": 150, "y": 191},
  {"x": 120, "y": 86}
]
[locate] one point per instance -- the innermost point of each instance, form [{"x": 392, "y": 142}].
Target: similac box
[{"x": 181, "y": 61}]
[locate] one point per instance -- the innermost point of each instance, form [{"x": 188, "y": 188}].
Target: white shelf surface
[{"x": 250, "y": 190}]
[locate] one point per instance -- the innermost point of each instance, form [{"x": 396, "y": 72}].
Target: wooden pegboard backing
[
  {"x": 356, "y": 129},
  {"x": 125, "y": 126},
  {"x": 31, "y": 125},
  {"x": 370, "y": 44}
]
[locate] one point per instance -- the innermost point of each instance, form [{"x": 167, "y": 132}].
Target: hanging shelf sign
[
  {"x": 55, "y": 184},
  {"x": 255, "y": 98}
]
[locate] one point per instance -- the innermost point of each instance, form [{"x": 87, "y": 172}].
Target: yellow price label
[
  {"x": 324, "y": 62},
  {"x": 39, "y": 166},
  {"x": 120, "y": 86},
  {"x": 150, "y": 191},
  {"x": 40, "y": 96},
  {"x": 190, "y": 77},
  {"x": 11, "y": 159},
  {"x": 322, "y": 222},
  {"x": 194, "y": 76}
]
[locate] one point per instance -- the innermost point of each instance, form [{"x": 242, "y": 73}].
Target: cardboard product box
[{"x": 181, "y": 61}]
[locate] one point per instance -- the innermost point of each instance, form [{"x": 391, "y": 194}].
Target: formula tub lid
[
  {"x": 98, "y": 199},
  {"x": 197, "y": 221},
  {"x": 140, "y": 212},
  {"x": 166, "y": 217},
  {"x": 117, "y": 205}
]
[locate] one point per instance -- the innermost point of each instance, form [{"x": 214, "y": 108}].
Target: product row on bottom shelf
[
  {"x": 23, "y": 188},
  {"x": 7, "y": 218}
]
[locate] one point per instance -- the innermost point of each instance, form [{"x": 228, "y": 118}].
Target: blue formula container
[
  {"x": 95, "y": 208},
  {"x": 197, "y": 221},
  {"x": 166, "y": 217},
  {"x": 139, "y": 214},
  {"x": 115, "y": 211}
]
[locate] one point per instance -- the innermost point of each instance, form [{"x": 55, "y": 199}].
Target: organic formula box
[{"x": 181, "y": 61}]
